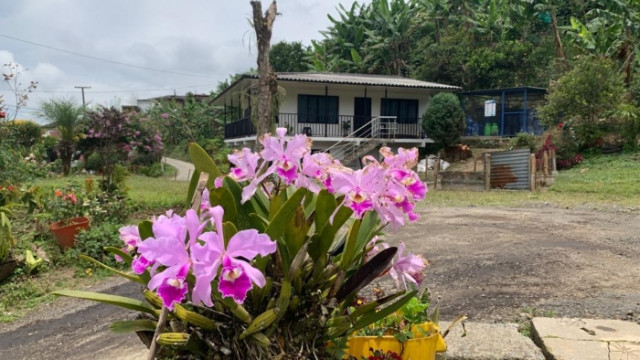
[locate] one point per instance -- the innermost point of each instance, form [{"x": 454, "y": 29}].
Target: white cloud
[{"x": 212, "y": 38}]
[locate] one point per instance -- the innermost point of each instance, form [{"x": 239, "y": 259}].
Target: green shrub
[
  {"x": 23, "y": 133},
  {"x": 584, "y": 99},
  {"x": 92, "y": 242},
  {"x": 155, "y": 170},
  {"x": 444, "y": 120},
  {"x": 94, "y": 162},
  {"x": 524, "y": 140}
]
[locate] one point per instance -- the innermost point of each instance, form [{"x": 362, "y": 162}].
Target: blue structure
[{"x": 514, "y": 111}]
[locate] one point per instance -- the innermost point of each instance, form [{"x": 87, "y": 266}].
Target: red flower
[{"x": 560, "y": 126}]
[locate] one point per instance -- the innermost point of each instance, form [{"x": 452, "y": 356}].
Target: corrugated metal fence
[{"x": 511, "y": 170}]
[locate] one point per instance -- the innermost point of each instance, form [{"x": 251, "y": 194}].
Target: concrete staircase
[{"x": 364, "y": 139}]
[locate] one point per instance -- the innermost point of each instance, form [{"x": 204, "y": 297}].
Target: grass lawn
[
  {"x": 21, "y": 292},
  {"x": 600, "y": 182},
  {"x": 146, "y": 193}
]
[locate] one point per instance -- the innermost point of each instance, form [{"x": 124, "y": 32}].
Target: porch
[{"x": 331, "y": 127}]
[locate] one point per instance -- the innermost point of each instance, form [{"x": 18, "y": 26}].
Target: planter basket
[
  {"x": 420, "y": 348},
  {"x": 65, "y": 231}
]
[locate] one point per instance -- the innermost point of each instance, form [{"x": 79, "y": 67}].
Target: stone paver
[
  {"x": 588, "y": 339},
  {"x": 485, "y": 341},
  {"x": 184, "y": 169}
]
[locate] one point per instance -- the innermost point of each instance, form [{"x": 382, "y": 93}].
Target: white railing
[{"x": 361, "y": 139}]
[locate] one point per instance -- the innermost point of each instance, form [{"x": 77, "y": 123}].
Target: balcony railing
[{"x": 344, "y": 126}]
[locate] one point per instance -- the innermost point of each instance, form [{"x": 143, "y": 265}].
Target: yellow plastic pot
[{"x": 419, "y": 348}]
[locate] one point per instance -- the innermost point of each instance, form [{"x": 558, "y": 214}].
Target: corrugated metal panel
[{"x": 510, "y": 170}]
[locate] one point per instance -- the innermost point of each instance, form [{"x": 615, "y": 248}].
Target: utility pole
[{"x": 82, "y": 89}]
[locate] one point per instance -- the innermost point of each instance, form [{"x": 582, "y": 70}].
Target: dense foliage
[{"x": 478, "y": 44}]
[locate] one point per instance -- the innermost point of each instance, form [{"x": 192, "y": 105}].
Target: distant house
[
  {"x": 336, "y": 108},
  {"x": 146, "y": 104}
]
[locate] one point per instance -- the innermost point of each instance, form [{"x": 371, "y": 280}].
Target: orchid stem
[{"x": 153, "y": 349}]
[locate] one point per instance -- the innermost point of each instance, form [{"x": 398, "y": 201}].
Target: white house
[{"x": 336, "y": 108}]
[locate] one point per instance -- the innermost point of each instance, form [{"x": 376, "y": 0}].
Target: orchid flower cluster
[
  {"x": 170, "y": 259},
  {"x": 389, "y": 187},
  {"x": 189, "y": 257}
]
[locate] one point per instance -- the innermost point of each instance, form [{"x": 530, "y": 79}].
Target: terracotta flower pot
[{"x": 65, "y": 231}]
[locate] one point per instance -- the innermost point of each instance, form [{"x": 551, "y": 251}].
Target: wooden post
[
  {"x": 487, "y": 172},
  {"x": 554, "y": 169},
  {"x": 475, "y": 163},
  {"x": 436, "y": 172},
  {"x": 533, "y": 172},
  {"x": 545, "y": 166}
]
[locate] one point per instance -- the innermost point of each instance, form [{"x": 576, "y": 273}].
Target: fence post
[
  {"x": 533, "y": 172},
  {"x": 436, "y": 172},
  {"x": 545, "y": 166},
  {"x": 487, "y": 172},
  {"x": 554, "y": 169},
  {"x": 475, "y": 162}
]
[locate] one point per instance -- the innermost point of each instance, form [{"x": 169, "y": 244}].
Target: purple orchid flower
[
  {"x": 285, "y": 157},
  {"x": 246, "y": 163},
  {"x": 407, "y": 267},
  {"x": 237, "y": 274},
  {"x": 361, "y": 188},
  {"x": 169, "y": 249}
]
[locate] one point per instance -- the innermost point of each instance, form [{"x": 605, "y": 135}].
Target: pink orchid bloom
[
  {"x": 405, "y": 158},
  {"x": 407, "y": 267},
  {"x": 131, "y": 238},
  {"x": 285, "y": 157},
  {"x": 246, "y": 163},
  {"x": 237, "y": 274},
  {"x": 168, "y": 248},
  {"x": 360, "y": 188},
  {"x": 411, "y": 182}
]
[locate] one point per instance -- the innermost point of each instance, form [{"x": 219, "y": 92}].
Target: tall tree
[
  {"x": 268, "y": 83},
  {"x": 289, "y": 57}
]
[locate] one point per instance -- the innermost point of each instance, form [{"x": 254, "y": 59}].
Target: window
[
  {"x": 405, "y": 110},
  {"x": 317, "y": 109}
]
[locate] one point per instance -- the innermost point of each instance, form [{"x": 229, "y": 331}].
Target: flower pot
[
  {"x": 420, "y": 348},
  {"x": 6, "y": 268},
  {"x": 65, "y": 231}
]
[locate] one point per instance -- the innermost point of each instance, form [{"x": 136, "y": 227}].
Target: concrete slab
[
  {"x": 588, "y": 329},
  {"x": 588, "y": 339},
  {"x": 485, "y": 341}
]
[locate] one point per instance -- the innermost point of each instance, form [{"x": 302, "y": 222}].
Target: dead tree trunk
[{"x": 267, "y": 84}]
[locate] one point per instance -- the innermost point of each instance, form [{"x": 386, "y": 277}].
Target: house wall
[{"x": 347, "y": 94}]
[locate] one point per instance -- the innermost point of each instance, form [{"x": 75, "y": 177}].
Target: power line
[
  {"x": 104, "y": 60},
  {"x": 118, "y": 91}
]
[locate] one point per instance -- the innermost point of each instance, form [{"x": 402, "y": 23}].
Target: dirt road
[
  {"x": 493, "y": 264},
  {"x": 496, "y": 263}
]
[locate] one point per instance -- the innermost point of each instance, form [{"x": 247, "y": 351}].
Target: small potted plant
[
  {"x": 409, "y": 332},
  {"x": 68, "y": 215},
  {"x": 346, "y": 127}
]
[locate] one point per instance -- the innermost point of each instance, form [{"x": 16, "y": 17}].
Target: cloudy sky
[{"x": 195, "y": 43}]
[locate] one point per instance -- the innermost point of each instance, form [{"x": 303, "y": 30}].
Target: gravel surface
[{"x": 499, "y": 264}]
